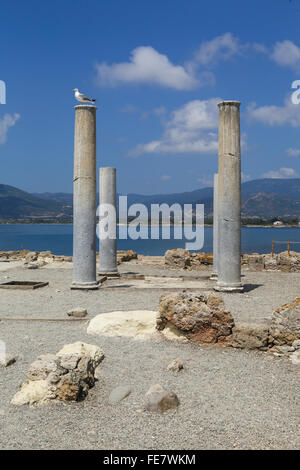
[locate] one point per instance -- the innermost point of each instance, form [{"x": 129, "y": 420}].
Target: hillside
[
  {"x": 265, "y": 198},
  {"x": 18, "y": 204}
]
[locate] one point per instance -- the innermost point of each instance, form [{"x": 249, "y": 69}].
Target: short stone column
[
  {"x": 214, "y": 274},
  {"x": 229, "y": 199},
  {"x": 84, "y": 199},
  {"x": 108, "y": 246}
]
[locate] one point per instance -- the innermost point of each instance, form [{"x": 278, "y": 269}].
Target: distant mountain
[
  {"x": 64, "y": 198},
  {"x": 267, "y": 198},
  {"x": 281, "y": 187},
  {"x": 18, "y": 204},
  {"x": 270, "y": 206}
]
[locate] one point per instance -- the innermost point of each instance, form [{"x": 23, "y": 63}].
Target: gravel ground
[
  {"x": 264, "y": 291},
  {"x": 228, "y": 398}
]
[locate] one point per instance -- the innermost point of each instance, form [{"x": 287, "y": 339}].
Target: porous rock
[
  {"x": 66, "y": 376},
  {"x": 31, "y": 256},
  {"x": 178, "y": 258},
  {"x": 285, "y": 323},
  {"x": 202, "y": 317},
  {"x": 255, "y": 262},
  {"x": 249, "y": 336},
  {"x": 270, "y": 262}
]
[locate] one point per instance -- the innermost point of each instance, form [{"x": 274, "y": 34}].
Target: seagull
[{"x": 81, "y": 97}]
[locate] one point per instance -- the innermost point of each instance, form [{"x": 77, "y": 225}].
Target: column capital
[
  {"x": 229, "y": 103},
  {"x": 85, "y": 106}
]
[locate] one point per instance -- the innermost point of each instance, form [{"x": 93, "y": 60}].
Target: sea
[{"x": 59, "y": 239}]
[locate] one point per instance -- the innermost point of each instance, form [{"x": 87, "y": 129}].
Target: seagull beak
[{"x": 73, "y": 90}]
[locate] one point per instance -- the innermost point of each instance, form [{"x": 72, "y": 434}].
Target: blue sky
[{"x": 157, "y": 70}]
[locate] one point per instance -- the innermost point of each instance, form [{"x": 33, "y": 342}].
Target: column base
[
  {"x": 214, "y": 277},
  {"x": 85, "y": 285},
  {"x": 229, "y": 288},
  {"x": 109, "y": 274}
]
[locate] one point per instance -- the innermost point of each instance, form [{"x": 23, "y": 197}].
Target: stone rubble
[
  {"x": 249, "y": 336},
  {"x": 33, "y": 258},
  {"x": 289, "y": 262},
  {"x": 183, "y": 259},
  {"x": 202, "y": 317},
  {"x": 65, "y": 376},
  {"x": 123, "y": 256},
  {"x": 285, "y": 324}
]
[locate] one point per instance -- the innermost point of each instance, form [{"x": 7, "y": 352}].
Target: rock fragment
[
  {"x": 202, "y": 317},
  {"x": 77, "y": 312},
  {"x": 65, "y": 376},
  {"x": 175, "y": 366},
  {"x": 249, "y": 336},
  {"x": 7, "y": 360},
  {"x": 119, "y": 393},
  {"x": 159, "y": 400},
  {"x": 285, "y": 324}
]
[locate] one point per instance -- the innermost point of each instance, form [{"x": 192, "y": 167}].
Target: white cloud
[
  {"x": 190, "y": 129},
  {"x": 6, "y": 122},
  {"x": 206, "y": 181},
  {"x": 282, "y": 173},
  {"x": 286, "y": 54},
  {"x": 245, "y": 177},
  {"x": 160, "y": 111},
  {"x": 288, "y": 114},
  {"x": 129, "y": 108},
  {"x": 220, "y": 48},
  {"x": 258, "y": 47},
  {"x": 291, "y": 152},
  {"x": 146, "y": 65}
]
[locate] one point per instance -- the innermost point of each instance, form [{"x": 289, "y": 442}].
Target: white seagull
[{"x": 81, "y": 97}]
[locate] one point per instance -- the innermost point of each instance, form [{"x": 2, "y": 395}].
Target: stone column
[
  {"x": 214, "y": 274},
  {"x": 84, "y": 199},
  {"x": 108, "y": 246},
  {"x": 229, "y": 198}
]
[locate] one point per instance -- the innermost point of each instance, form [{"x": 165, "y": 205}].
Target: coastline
[{"x": 149, "y": 225}]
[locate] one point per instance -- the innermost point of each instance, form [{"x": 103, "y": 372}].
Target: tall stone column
[
  {"x": 108, "y": 246},
  {"x": 214, "y": 274},
  {"x": 229, "y": 198},
  {"x": 84, "y": 199}
]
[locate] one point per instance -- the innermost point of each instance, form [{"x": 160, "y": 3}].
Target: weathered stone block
[
  {"x": 66, "y": 376},
  {"x": 178, "y": 258},
  {"x": 249, "y": 336},
  {"x": 285, "y": 323},
  {"x": 270, "y": 262},
  {"x": 256, "y": 262},
  {"x": 202, "y": 317}
]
